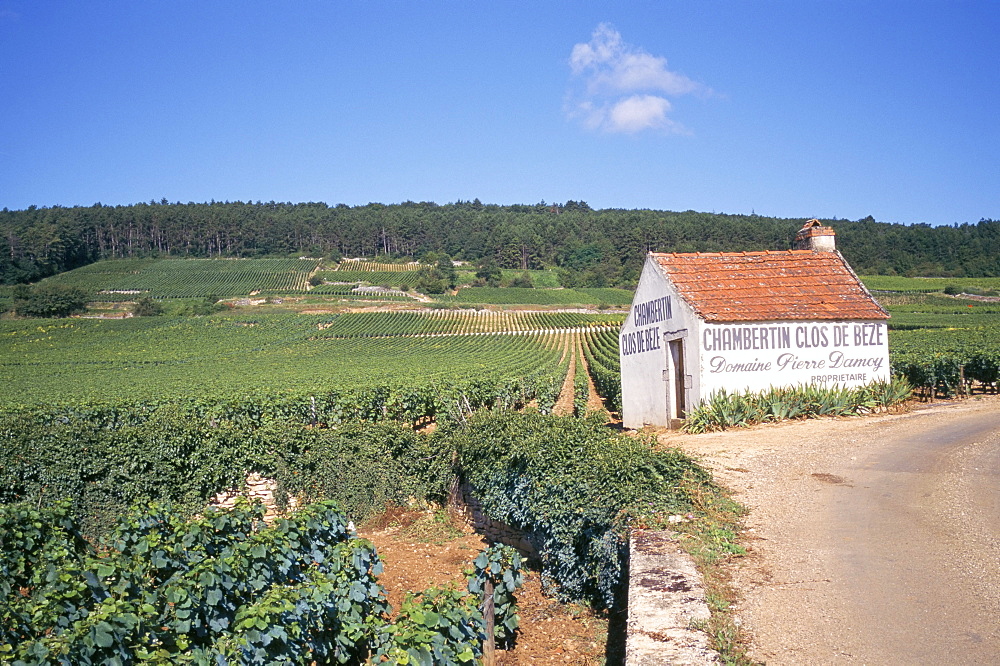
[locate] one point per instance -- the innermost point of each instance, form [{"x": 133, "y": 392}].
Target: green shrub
[
  {"x": 364, "y": 467},
  {"x": 221, "y": 588},
  {"x": 571, "y": 482},
  {"x": 146, "y": 307},
  {"x": 521, "y": 281},
  {"x": 499, "y": 565},
  {"x": 575, "y": 486},
  {"x": 225, "y": 587},
  {"x": 437, "y": 626},
  {"x": 49, "y": 301}
]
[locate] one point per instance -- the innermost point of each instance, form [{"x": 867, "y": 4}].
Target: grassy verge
[{"x": 712, "y": 540}]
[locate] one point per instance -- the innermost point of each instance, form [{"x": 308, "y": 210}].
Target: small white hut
[{"x": 701, "y": 322}]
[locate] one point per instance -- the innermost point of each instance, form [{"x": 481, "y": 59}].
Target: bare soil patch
[{"x": 419, "y": 550}]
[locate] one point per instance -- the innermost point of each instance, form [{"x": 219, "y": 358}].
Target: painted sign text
[
  {"x": 651, "y": 312},
  {"x": 640, "y": 341}
]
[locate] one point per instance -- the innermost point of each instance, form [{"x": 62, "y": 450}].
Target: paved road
[
  {"x": 873, "y": 541},
  {"x": 914, "y": 537}
]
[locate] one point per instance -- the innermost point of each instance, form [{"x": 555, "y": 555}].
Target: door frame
[{"x": 675, "y": 375}]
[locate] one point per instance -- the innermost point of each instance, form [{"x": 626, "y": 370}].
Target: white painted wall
[
  {"x": 657, "y": 316},
  {"x": 760, "y": 355}
]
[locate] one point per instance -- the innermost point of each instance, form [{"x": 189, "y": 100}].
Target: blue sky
[{"x": 800, "y": 108}]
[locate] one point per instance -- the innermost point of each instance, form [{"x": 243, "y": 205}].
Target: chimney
[{"x": 814, "y": 236}]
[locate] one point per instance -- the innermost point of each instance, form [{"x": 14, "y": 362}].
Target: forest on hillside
[{"x": 594, "y": 247}]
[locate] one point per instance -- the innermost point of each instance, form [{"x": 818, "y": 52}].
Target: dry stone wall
[
  {"x": 463, "y": 503},
  {"x": 259, "y": 488}
]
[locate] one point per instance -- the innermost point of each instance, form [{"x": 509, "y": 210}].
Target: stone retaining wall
[
  {"x": 462, "y": 502},
  {"x": 256, "y": 487},
  {"x": 666, "y": 602},
  {"x": 666, "y": 595}
]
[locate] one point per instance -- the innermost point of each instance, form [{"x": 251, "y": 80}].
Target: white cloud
[
  {"x": 639, "y": 112},
  {"x": 604, "y": 45},
  {"x": 628, "y": 115},
  {"x": 610, "y": 69}
]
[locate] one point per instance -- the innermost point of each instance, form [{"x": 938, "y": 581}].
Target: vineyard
[
  {"x": 944, "y": 345},
  {"x": 904, "y": 306},
  {"x": 228, "y": 588},
  {"x": 114, "y": 284},
  {"x": 460, "y": 322},
  {"x": 947, "y": 362},
  {"x": 601, "y": 352},
  {"x": 355, "y": 291},
  {"x": 183, "y": 583},
  {"x": 935, "y": 341},
  {"x": 928, "y": 284},
  {"x": 187, "y": 278},
  {"x": 386, "y": 278},
  {"x": 939, "y": 343},
  {"x": 511, "y": 357},
  {"x": 363, "y": 266},
  {"x": 545, "y": 291}
]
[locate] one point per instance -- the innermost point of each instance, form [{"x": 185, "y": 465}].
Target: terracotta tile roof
[{"x": 769, "y": 286}]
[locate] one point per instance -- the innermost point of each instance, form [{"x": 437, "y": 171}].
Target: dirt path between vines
[
  {"x": 595, "y": 403},
  {"x": 872, "y": 540},
  {"x": 564, "y": 404}
]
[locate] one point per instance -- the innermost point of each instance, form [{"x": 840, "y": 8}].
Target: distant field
[
  {"x": 376, "y": 267},
  {"x": 127, "y": 279},
  {"x": 234, "y": 353},
  {"x": 459, "y": 322},
  {"x": 187, "y": 278},
  {"x": 528, "y": 296},
  {"x": 390, "y": 278},
  {"x": 947, "y": 321},
  {"x": 547, "y": 279},
  {"x": 927, "y": 284},
  {"x": 919, "y": 310},
  {"x": 899, "y": 300},
  {"x": 348, "y": 291},
  {"x": 931, "y": 337}
]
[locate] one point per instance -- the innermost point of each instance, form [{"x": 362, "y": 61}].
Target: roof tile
[{"x": 769, "y": 286}]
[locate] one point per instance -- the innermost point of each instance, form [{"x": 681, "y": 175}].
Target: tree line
[{"x": 594, "y": 247}]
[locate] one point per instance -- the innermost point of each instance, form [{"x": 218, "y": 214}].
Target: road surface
[{"x": 873, "y": 540}]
